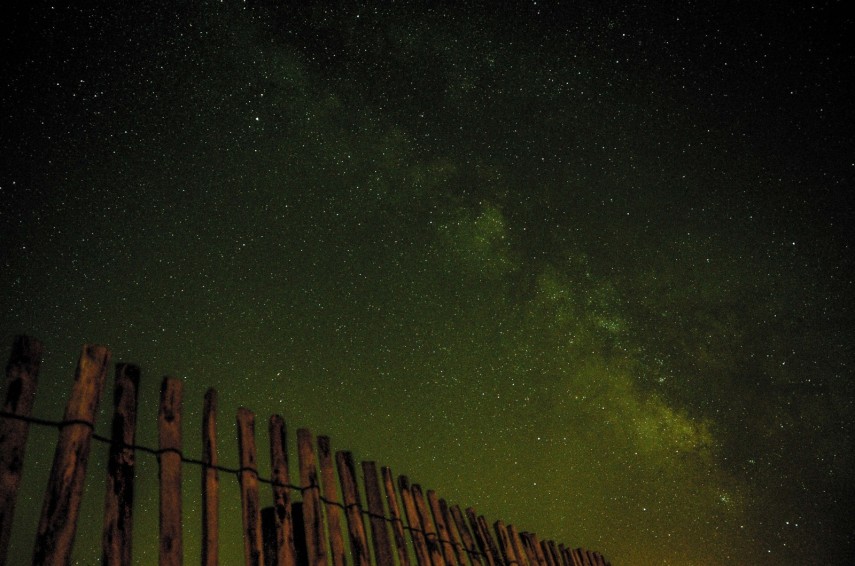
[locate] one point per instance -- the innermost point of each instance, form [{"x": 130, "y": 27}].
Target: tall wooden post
[
  {"x": 443, "y": 536},
  {"x": 453, "y": 533},
  {"x": 316, "y": 544},
  {"x": 379, "y": 533},
  {"x": 119, "y": 495},
  {"x": 468, "y": 541},
  {"x": 22, "y": 372},
  {"x": 353, "y": 509},
  {"x": 328, "y": 485},
  {"x": 58, "y": 523},
  {"x": 169, "y": 438},
  {"x": 250, "y": 508},
  {"x": 427, "y": 525},
  {"x": 416, "y": 532},
  {"x": 210, "y": 482},
  {"x": 286, "y": 553},
  {"x": 395, "y": 514}
]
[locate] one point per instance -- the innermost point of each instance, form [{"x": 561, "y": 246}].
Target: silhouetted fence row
[{"x": 288, "y": 533}]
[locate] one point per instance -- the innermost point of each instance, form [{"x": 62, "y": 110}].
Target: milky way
[{"x": 584, "y": 269}]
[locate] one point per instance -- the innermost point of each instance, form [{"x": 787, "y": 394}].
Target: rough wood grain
[
  {"x": 353, "y": 508},
  {"x": 210, "y": 482},
  {"x": 250, "y": 507},
  {"x": 505, "y": 545},
  {"x": 22, "y": 372},
  {"x": 475, "y": 556},
  {"x": 453, "y": 533},
  {"x": 395, "y": 515},
  {"x": 285, "y": 549},
  {"x": 119, "y": 497},
  {"x": 416, "y": 532},
  {"x": 519, "y": 549},
  {"x": 482, "y": 535},
  {"x": 443, "y": 537},
  {"x": 169, "y": 435},
  {"x": 330, "y": 491},
  {"x": 58, "y": 523},
  {"x": 374, "y": 500},
  {"x": 316, "y": 543},
  {"x": 427, "y": 526}
]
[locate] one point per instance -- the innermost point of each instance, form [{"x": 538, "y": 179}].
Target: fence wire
[{"x": 431, "y": 537}]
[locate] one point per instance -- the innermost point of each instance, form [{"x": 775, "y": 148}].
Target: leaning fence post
[
  {"x": 250, "y": 509},
  {"x": 443, "y": 537},
  {"x": 517, "y": 545},
  {"x": 453, "y": 533},
  {"x": 416, "y": 532},
  {"x": 58, "y": 523},
  {"x": 286, "y": 554},
  {"x": 395, "y": 512},
  {"x": 312, "y": 513},
  {"x": 119, "y": 495},
  {"x": 353, "y": 509},
  {"x": 505, "y": 543},
  {"x": 22, "y": 373},
  {"x": 427, "y": 525},
  {"x": 468, "y": 541},
  {"x": 210, "y": 481},
  {"x": 330, "y": 496},
  {"x": 379, "y": 533},
  {"x": 169, "y": 436}
]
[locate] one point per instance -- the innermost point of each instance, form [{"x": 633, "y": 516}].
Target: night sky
[{"x": 583, "y": 267}]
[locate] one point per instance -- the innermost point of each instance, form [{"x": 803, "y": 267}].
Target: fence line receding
[{"x": 301, "y": 525}]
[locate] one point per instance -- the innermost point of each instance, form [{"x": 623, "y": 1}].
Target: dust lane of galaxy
[{"x": 585, "y": 268}]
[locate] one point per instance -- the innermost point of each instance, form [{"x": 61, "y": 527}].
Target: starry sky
[{"x": 583, "y": 266}]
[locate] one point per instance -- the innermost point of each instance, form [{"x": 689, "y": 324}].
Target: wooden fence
[{"x": 307, "y": 532}]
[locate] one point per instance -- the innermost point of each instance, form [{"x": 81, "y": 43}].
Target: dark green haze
[{"x": 586, "y": 268}]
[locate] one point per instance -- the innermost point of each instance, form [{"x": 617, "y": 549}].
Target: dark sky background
[{"x": 583, "y": 267}]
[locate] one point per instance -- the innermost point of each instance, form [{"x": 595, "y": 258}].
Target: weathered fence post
[
  {"x": 443, "y": 538},
  {"x": 505, "y": 543},
  {"x": 210, "y": 482},
  {"x": 482, "y": 535},
  {"x": 468, "y": 541},
  {"x": 58, "y": 523},
  {"x": 328, "y": 485},
  {"x": 427, "y": 525},
  {"x": 119, "y": 496},
  {"x": 169, "y": 455},
  {"x": 416, "y": 532},
  {"x": 22, "y": 373},
  {"x": 250, "y": 508},
  {"x": 453, "y": 532},
  {"x": 353, "y": 508},
  {"x": 379, "y": 534},
  {"x": 316, "y": 546},
  {"x": 395, "y": 512},
  {"x": 517, "y": 545},
  {"x": 286, "y": 553}
]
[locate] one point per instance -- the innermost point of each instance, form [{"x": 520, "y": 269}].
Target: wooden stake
[
  {"x": 328, "y": 485},
  {"x": 169, "y": 435},
  {"x": 353, "y": 508},
  {"x": 22, "y": 373},
  {"x": 428, "y": 527},
  {"x": 250, "y": 508},
  {"x": 379, "y": 533},
  {"x": 286, "y": 554},
  {"x": 119, "y": 497},
  {"x": 395, "y": 513},
  {"x": 210, "y": 482},
  {"x": 58, "y": 523},
  {"x": 453, "y": 533},
  {"x": 416, "y": 532},
  {"x": 312, "y": 514},
  {"x": 517, "y": 545},
  {"x": 468, "y": 541},
  {"x": 505, "y": 543},
  {"x": 443, "y": 538}
]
